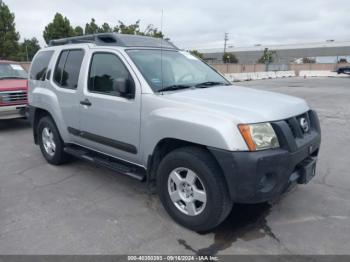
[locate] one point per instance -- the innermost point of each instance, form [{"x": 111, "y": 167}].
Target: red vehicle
[{"x": 13, "y": 90}]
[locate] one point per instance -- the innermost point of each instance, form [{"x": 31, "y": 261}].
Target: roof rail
[
  {"x": 115, "y": 39},
  {"x": 94, "y": 38}
]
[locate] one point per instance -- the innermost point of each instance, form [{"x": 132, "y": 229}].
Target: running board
[{"x": 114, "y": 164}]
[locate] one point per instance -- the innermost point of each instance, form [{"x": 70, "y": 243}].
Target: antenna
[
  {"x": 161, "y": 22},
  {"x": 161, "y": 50}
]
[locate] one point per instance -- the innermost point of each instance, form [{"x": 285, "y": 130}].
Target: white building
[{"x": 326, "y": 52}]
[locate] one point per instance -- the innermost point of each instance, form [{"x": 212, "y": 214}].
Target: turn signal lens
[{"x": 245, "y": 131}]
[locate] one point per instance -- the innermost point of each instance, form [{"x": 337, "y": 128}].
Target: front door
[{"x": 110, "y": 120}]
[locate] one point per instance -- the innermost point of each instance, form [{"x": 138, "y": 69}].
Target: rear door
[{"x": 66, "y": 81}]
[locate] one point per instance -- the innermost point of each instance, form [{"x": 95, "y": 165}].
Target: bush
[{"x": 229, "y": 58}]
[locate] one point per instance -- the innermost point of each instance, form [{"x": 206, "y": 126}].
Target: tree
[
  {"x": 78, "y": 30},
  {"x": 92, "y": 27},
  {"x": 196, "y": 53},
  {"x": 309, "y": 60},
  {"x": 267, "y": 57},
  {"x": 229, "y": 58},
  {"x": 28, "y": 49},
  {"x": 105, "y": 28},
  {"x": 132, "y": 29},
  {"x": 153, "y": 31},
  {"x": 59, "y": 28},
  {"x": 343, "y": 60},
  {"x": 8, "y": 35}
]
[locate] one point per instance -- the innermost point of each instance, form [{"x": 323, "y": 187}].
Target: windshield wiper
[
  {"x": 200, "y": 85},
  {"x": 173, "y": 87},
  {"x": 210, "y": 83}
]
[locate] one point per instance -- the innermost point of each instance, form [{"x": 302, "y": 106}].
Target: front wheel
[{"x": 192, "y": 189}]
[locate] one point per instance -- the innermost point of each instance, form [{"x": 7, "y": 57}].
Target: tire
[
  {"x": 182, "y": 163},
  {"x": 55, "y": 156}
]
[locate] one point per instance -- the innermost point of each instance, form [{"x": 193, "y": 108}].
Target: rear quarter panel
[{"x": 42, "y": 95}]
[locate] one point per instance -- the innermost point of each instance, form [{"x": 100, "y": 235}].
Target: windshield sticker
[
  {"x": 16, "y": 67},
  {"x": 188, "y": 55},
  {"x": 155, "y": 81}
]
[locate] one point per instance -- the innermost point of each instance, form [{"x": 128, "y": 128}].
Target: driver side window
[{"x": 106, "y": 71}]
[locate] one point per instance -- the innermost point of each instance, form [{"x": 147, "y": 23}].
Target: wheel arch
[
  {"x": 35, "y": 115},
  {"x": 164, "y": 147}
]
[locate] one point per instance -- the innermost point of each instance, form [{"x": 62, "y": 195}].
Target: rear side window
[
  {"x": 67, "y": 70},
  {"x": 59, "y": 67},
  {"x": 40, "y": 65}
]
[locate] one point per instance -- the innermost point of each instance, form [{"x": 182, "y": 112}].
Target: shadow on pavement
[{"x": 13, "y": 124}]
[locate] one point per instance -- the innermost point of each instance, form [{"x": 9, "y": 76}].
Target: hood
[
  {"x": 246, "y": 105},
  {"x": 13, "y": 84}
]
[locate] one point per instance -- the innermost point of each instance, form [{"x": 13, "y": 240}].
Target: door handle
[{"x": 85, "y": 102}]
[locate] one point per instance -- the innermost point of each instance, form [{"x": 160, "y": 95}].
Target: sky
[{"x": 200, "y": 24}]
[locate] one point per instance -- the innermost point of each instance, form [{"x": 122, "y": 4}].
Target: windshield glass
[
  {"x": 12, "y": 71},
  {"x": 173, "y": 69}
]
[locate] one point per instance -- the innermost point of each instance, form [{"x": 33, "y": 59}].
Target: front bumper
[
  {"x": 260, "y": 176},
  {"x": 10, "y": 112}
]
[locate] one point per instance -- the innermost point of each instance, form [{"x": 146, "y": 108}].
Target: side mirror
[{"x": 125, "y": 87}]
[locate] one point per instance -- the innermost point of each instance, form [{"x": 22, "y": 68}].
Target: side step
[{"x": 114, "y": 164}]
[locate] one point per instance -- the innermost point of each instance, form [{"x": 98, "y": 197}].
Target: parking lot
[{"x": 82, "y": 209}]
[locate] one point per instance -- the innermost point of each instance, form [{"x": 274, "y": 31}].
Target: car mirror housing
[{"x": 125, "y": 86}]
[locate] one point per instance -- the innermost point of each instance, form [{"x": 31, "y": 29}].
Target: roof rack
[{"x": 115, "y": 39}]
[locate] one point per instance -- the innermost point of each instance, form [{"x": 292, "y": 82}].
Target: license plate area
[{"x": 307, "y": 170}]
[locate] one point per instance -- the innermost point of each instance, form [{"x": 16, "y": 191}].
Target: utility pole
[{"x": 225, "y": 42}]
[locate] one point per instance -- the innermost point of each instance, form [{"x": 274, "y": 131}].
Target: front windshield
[
  {"x": 8, "y": 71},
  {"x": 167, "y": 68}
]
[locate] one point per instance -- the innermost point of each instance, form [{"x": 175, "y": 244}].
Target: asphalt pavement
[{"x": 78, "y": 208}]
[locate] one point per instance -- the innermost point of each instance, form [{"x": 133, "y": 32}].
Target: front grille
[
  {"x": 295, "y": 126},
  {"x": 13, "y": 97},
  {"x": 292, "y": 127},
  {"x": 291, "y": 134}
]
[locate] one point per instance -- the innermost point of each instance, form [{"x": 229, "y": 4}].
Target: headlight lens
[{"x": 259, "y": 136}]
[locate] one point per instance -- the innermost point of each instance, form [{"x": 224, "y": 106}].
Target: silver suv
[{"x": 144, "y": 108}]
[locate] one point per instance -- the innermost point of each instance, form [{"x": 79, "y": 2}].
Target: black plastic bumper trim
[{"x": 244, "y": 170}]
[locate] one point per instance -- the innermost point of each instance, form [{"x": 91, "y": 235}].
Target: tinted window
[
  {"x": 68, "y": 68},
  {"x": 40, "y": 64},
  {"x": 104, "y": 71},
  {"x": 59, "y": 67}
]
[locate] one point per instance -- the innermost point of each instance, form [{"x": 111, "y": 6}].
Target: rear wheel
[
  {"x": 50, "y": 142},
  {"x": 192, "y": 189}
]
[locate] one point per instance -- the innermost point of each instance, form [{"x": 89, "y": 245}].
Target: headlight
[{"x": 259, "y": 136}]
